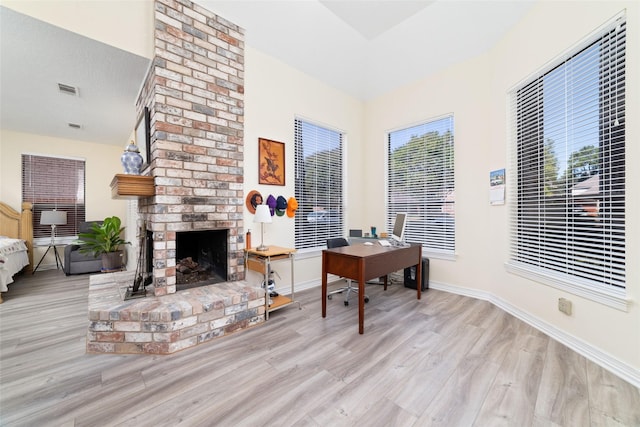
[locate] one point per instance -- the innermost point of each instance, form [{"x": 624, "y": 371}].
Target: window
[
  {"x": 54, "y": 183},
  {"x": 319, "y": 170},
  {"x": 421, "y": 183},
  {"x": 568, "y": 194}
]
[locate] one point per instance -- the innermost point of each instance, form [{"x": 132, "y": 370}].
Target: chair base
[{"x": 348, "y": 289}]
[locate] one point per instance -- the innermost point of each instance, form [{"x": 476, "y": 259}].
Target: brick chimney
[{"x": 195, "y": 94}]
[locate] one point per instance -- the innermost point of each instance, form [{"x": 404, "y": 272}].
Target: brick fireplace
[
  {"x": 195, "y": 95},
  {"x": 194, "y": 92}
]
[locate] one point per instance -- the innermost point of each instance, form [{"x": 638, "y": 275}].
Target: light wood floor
[{"x": 446, "y": 360}]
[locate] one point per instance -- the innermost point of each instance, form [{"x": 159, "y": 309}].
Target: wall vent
[{"x": 69, "y": 90}]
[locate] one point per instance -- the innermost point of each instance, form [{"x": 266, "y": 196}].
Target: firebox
[{"x": 201, "y": 258}]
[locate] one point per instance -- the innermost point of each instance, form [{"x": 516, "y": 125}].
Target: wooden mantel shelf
[{"x": 125, "y": 186}]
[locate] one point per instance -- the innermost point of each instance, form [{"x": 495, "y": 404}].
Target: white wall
[
  {"x": 274, "y": 95},
  {"x": 615, "y": 332},
  {"x": 128, "y": 25},
  {"x": 476, "y": 92},
  {"x": 102, "y": 162}
]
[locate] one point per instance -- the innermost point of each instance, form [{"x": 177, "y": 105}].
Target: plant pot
[{"x": 112, "y": 261}]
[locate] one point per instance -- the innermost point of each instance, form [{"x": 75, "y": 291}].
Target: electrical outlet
[{"x": 564, "y": 305}]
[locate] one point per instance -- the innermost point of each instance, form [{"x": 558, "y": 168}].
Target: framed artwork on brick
[
  {"x": 143, "y": 137},
  {"x": 270, "y": 162}
]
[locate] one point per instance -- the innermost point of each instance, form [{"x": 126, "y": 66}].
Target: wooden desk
[{"x": 361, "y": 262}]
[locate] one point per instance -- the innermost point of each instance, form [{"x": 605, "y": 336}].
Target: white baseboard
[
  {"x": 303, "y": 286},
  {"x": 597, "y": 356}
]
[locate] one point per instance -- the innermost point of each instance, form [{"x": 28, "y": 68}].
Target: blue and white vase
[{"x": 131, "y": 159}]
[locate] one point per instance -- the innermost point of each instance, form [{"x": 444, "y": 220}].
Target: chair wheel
[
  {"x": 366, "y": 299},
  {"x": 329, "y": 296},
  {"x": 346, "y": 303}
]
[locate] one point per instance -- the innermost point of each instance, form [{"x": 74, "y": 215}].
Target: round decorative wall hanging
[{"x": 253, "y": 199}]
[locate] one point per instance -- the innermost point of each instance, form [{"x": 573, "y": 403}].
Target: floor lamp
[
  {"x": 263, "y": 215},
  {"x": 52, "y": 218}
]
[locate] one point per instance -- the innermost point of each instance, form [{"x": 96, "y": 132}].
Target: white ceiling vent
[{"x": 67, "y": 89}]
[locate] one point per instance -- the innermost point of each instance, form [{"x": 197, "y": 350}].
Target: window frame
[
  {"x": 334, "y": 228},
  {"x": 447, "y": 234},
  {"x": 607, "y": 294},
  {"x": 76, "y": 212}
]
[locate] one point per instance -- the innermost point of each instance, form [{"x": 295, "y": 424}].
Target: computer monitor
[{"x": 399, "y": 226}]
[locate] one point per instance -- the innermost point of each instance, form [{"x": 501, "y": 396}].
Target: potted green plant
[{"x": 105, "y": 240}]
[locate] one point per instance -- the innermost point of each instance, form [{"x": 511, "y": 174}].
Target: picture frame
[
  {"x": 143, "y": 136},
  {"x": 271, "y": 162},
  {"x": 497, "y": 186}
]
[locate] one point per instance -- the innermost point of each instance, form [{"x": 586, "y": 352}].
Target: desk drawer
[{"x": 257, "y": 265}]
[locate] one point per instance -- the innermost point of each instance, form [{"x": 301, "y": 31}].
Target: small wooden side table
[{"x": 260, "y": 261}]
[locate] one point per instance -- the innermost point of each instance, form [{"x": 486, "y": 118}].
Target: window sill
[
  {"x": 59, "y": 241},
  {"x": 438, "y": 255},
  {"x": 308, "y": 253},
  {"x": 612, "y": 298}
]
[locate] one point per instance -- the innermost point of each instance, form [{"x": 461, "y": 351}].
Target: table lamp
[
  {"x": 263, "y": 215},
  {"x": 52, "y": 218}
]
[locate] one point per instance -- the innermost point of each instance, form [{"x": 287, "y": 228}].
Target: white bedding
[{"x": 13, "y": 258}]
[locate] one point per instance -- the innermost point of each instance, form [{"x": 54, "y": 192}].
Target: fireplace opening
[{"x": 201, "y": 258}]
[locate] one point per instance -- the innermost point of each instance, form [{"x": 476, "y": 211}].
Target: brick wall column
[{"x": 195, "y": 93}]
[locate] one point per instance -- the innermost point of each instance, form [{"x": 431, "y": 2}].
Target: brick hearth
[{"x": 164, "y": 325}]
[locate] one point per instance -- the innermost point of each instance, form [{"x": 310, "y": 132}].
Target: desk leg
[
  {"x": 361, "y": 284},
  {"x": 419, "y": 273},
  {"x": 293, "y": 297},
  {"x": 324, "y": 285}
]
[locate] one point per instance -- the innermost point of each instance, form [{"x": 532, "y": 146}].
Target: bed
[{"x": 16, "y": 243}]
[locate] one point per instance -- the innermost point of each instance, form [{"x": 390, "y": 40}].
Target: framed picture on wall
[
  {"x": 270, "y": 162},
  {"x": 496, "y": 182},
  {"x": 143, "y": 137}
]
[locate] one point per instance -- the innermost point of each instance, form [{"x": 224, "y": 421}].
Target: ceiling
[
  {"x": 36, "y": 56},
  {"x": 369, "y": 47},
  {"x": 362, "y": 47}
]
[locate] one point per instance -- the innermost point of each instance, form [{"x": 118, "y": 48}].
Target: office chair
[{"x": 336, "y": 243}]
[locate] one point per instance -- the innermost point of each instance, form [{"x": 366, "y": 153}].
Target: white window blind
[
  {"x": 568, "y": 199},
  {"x": 54, "y": 183},
  {"x": 319, "y": 172},
  {"x": 421, "y": 183}
]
